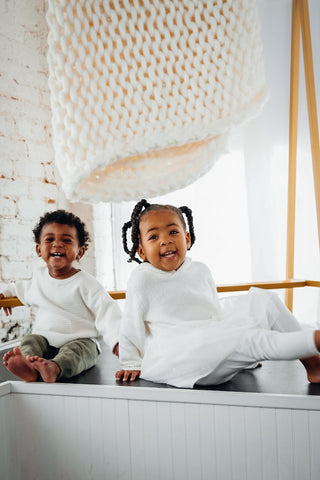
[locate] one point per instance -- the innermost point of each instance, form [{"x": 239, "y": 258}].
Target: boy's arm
[{"x": 15, "y": 289}]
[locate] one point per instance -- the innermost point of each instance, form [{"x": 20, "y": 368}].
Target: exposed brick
[
  {"x": 31, "y": 208},
  {"x": 12, "y": 271},
  {"x": 7, "y": 207},
  {"x": 11, "y": 150},
  {"x": 13, "y": 187},
  {"x": 43, "y": 190},
  {"x": 6, "y": 167},
  {"x": 42, "y": 153}
]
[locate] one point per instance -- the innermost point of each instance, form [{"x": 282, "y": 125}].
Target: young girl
[
  {"x": 174, "y": 328},
  {"x": 71, "y": 307}
]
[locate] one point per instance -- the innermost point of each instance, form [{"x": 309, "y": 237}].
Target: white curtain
[{"x": 240, "y": 206}]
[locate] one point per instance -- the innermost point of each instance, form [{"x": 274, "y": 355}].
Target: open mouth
[
  {"x": 58, "y": 255},
  {"x": 168, "y": 254}
]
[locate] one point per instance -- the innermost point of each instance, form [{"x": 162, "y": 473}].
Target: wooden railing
[{"x": 240, "y": 287}]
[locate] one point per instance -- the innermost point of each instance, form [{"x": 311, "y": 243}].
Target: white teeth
[
  {"x": 57, "y": 254},
  {"x": 168, "y": 254}
]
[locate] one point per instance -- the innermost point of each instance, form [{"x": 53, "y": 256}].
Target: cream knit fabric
[{"x": 144, "y": 92}]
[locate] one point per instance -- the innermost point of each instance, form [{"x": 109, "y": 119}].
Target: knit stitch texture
[{"x": 144, "y": 92}]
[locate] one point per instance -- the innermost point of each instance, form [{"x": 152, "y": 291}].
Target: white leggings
[{"x": 281, "y": 338}]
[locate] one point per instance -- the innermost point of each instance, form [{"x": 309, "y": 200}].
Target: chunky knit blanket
[{"x": 145, "y": 92}]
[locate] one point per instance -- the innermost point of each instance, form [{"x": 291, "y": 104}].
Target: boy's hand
[
  {"x": 116, "y": 349},
  {"x": 7, "y": 310},
  {"x": 126, "y": 375}
]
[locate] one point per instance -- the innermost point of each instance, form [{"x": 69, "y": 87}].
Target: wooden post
[
  {"x": 312, "y": 103},
  {"x": 293, "y": 129},
  {"x": 301, "y": 21}
]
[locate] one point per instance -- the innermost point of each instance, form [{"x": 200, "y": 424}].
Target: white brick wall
[{"x": 28, "y": 181}]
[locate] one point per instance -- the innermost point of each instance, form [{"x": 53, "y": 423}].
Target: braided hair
[{"x": 138, "y": 212}]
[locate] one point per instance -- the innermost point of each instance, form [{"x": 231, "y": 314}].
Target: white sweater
[
  {"x": 164, "y": 317},
  {"x": 67, "y": 309}
]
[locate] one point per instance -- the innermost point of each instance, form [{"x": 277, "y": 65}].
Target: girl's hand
[
  {"x": 7, "y": 310},
  {"x": 125, "y": 375}
]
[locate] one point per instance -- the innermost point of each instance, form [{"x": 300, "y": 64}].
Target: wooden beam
[
  {"x": 239, "y": 287},
  {"x": 118, "y": 295},
  {"x": 267, "y": 285},
  {"x": 313, "y": 283}
]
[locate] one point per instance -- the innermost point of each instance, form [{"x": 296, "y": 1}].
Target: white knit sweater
[
  {"x": 145, "y": 93},
  {"x": 74, "y": 307}
]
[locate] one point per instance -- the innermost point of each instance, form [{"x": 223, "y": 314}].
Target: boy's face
[
  {"x": 163, "y": 240},
  {"x": 59, "y": 247}
]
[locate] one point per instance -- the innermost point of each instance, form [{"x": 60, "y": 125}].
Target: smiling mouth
[
  {"x": 169, "y": 254},
  {"x": 58, "y": 255}
]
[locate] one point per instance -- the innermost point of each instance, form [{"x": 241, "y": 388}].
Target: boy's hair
[
  {"x": 64, "y": 218},
  {"x": 138, "y": 212}
]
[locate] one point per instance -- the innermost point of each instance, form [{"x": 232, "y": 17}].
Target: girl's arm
[{"x": 132, "y": 336}]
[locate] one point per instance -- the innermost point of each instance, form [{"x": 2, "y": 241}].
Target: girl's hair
[
  {"x": 64, "y": 218},
  {"x": 138, "y": 212}
]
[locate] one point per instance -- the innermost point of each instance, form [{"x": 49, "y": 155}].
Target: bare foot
[
  {"x": 312, "y": 365},
  {"x": 15, "y": 362},
  {"x": 48, "y": 369}
]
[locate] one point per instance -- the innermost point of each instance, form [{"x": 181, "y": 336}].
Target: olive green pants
[{"x": 73, "y": 357}]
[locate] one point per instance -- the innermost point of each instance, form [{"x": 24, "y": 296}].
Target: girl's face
[
  {"x": 59, "y": 247},
  {"x": 163, "y": 240}
]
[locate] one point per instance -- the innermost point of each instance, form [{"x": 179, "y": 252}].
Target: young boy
[{"x": 71, "y": 307}]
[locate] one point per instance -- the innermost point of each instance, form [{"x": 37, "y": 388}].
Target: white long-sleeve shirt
[{"x": 70, "y": 308}]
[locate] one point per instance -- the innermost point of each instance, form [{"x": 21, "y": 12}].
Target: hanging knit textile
[{"x": 145, "y": 92}]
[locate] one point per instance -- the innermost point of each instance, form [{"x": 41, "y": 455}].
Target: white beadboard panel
[
  {"x": 65, "y": 438},
  {"x": 253, "y": 441},
  {"x": 164, "y": 428},
  {"x": 301, "y": 444},
  {"x": 314, "y": 429},
  {"x": 285, "y": 445},
  {"x": 223, "y": 445},
  {"x": 208, "y": 442},
  {"x": 178, "y": 436},
  {"x": 238, "y": 443},
  {"x": 111, "y": 435},
  {"x": 193, "y": 441},
  {"x": 151, "y": 432},
  {"x": 137, "y": 439},
  {"x": 5, "y": 433},
  {"x": 266, "y": 435}
]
